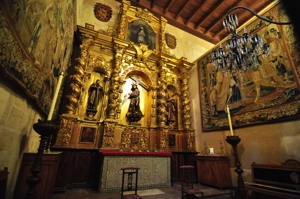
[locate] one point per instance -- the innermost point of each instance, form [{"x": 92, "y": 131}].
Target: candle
[
  {"x": 229, "y": 120},
  {"x": 55, "y": 95},
  {"x": 220, "y": 45},
  {"x": 245, "y": 31},
  {"x": 211, "y": 150}
]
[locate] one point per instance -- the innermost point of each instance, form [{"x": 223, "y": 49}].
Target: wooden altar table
[{"x": 155, "y": 169}]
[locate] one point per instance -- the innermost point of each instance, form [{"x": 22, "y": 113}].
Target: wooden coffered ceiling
[{"x": 202, "y": 18}]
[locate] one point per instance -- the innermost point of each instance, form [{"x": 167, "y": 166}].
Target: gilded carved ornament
[
  {"x": 74, "y": 91},
  {"x": 108, "y": 136},
  {"x": 134, "y": 139},
  {"x": 122, "y": 19},
  {"x": 191, "y": 140},
  {"x": 100, "y": 63},
  {"x": 164, "y": 139},
  {"x": 65, "y": 131},
  {"x": 144, "y": 14}
]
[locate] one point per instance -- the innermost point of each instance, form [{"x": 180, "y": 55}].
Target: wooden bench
[{"x": 276, "y": 180}]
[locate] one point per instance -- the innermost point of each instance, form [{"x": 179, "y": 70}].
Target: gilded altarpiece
[{"x": 105, "y": 66}]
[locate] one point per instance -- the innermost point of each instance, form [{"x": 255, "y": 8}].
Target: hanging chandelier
[{"x": 241, "y": 52}]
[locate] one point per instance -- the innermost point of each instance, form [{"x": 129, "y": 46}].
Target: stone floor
[{"x": 172, "y": 192}]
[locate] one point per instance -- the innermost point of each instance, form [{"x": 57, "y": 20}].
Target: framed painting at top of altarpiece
[{"x": 267, "y": 94}]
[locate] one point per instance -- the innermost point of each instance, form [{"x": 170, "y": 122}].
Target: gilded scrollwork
[
  {"x": 65, "y": 131},
  {"x": 134, "y": 139},
  {"x": 122, "y": 18},
  {"x": 164, "y": 139},
  {"x": 144, "y": 14},
  {"x": 101, "y": 63},
  {"x": 108, "y": 136},
  {"x": 191, "y": 140}
]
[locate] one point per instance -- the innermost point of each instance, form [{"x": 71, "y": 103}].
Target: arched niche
[{"x": 146, "y": 92}]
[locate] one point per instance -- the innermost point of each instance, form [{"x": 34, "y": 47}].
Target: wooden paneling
[
  {"x": 78, "y": 168},
  {"x": 48, "y": 174},
  {"x": 214, "y": 171}
]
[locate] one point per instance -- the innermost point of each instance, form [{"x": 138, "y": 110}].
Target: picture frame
[
  {"x": 87, "y": 134},
  {"x": 147, "y": 33},
  {"x": 266, "y": 95},
  {"x": 172, "y": 140}
]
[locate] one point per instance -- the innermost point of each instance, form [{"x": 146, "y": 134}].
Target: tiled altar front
[{"x": 155, "y": 169}]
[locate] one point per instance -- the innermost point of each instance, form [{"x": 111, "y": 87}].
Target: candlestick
[
  {"x": 229, "y": 120},
  {"x": 55, "y": 96}
]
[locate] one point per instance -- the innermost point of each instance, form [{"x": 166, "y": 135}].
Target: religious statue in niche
[
  {"x": 95, "y": 94},
  {"x": 134, "y": 113},
  {"x": 171, "y": 108},
  {"x": 140, "y": 32}
]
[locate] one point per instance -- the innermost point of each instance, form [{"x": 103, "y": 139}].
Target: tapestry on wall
[
  {"x": 268, "y": 94},
  {"x": 37, "y": 46}
]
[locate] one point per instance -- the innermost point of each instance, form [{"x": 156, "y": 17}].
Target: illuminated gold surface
[{"x": 117, "y": 63}]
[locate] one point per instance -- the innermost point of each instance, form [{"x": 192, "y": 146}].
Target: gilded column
[
  {"x": 161, "y": 96},
  {"x": 116, "y": 88},
  {"x": 153, "y": 107},
  {"x": 76, "y": 79},
  {"x": 122, "y": 19},
  {"x": 185, "y": 96},
  {"x": 180, "y": 127},
  {"x": 186, "y": 108}
]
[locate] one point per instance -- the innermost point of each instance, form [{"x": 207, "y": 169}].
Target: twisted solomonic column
[
  {"x": 161, "y": 97},
  {"x": 186, "y": 108},
  {"x": 114, "y": 96}
]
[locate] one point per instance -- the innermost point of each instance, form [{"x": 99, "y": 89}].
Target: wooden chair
[
  {"x": 129, "y": 183},
  {"x": 187, "y": 186}
]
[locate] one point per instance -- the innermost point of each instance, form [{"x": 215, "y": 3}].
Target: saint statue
[
  {"x": 134, "y": 113},
  {"x": 95, "y": 94},
  {"x": 171, "y": 108},
  {"x": 141, "y": 35}
]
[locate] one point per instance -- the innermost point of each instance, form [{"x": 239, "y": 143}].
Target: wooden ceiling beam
[
  {"x": 168, "y": 6},
  {"x": 153, "y": 2},
  {"x": 208, "y": 14},
  {"x": 182, "y": 9},
  {"x": 220, "y": 19},
  {"x": 222, "y": 29},
  {"x": 195, "y": 12}
]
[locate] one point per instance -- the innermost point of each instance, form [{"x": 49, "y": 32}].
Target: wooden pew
[{"x": 276, "y": 180}]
